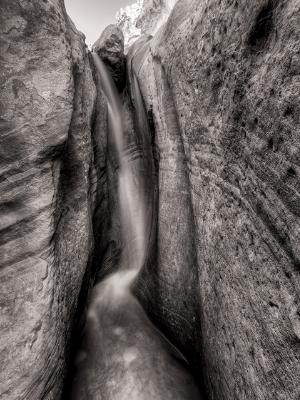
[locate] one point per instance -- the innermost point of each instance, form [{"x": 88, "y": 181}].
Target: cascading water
[
  {"x": 123, "y": 356},
  {"x": 130, "y": 186}
]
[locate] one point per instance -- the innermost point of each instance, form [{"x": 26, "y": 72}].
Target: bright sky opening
[{"x": 92, "y": 16}]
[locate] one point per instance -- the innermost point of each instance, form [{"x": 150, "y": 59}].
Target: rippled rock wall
[
  {"x": 222, "y": 81},
  {"x": 48, "y": 187}
]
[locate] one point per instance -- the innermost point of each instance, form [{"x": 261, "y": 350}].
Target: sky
[{"x": 92, "y": 16}]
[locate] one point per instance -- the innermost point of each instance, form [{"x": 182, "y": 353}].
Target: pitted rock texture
[
  {"x": 110, "y": 47},
  {"x": 47, "y": 193},
  {"x": 222, "y": 81}
]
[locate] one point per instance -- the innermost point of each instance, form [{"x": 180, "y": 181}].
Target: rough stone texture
[
  {"x": 110, "y": 47},
  {"x": 222, "y": 80},
  {"x": 47, "y": 193}
]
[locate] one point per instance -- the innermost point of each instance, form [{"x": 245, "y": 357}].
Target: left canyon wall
[{"x": 51, "y": 188}]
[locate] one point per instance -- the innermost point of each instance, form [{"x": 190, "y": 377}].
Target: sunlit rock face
[
  {"x": 126, "y": 20},
  {"x": 143, "y": 17},
  {"x": 154, "y": 14},
  {"x": 47, "y": 186},
  {"x": 222, "y": 82}
]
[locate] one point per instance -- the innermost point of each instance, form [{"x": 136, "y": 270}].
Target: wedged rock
[
  {"x": 47, "y": 186},
  {"x": 110, "y": 47},
  {"x": 222, "y": 82}
]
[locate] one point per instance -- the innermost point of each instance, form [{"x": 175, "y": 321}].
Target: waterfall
[{"x": 130, "y": 186}]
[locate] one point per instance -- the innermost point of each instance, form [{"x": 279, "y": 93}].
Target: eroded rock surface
[
  {"x": 222, "y": 81},
  {"x": 47, "y": 185}
]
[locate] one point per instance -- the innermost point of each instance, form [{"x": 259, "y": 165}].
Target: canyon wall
[
  {"x": 222, "y": 82},
  {"x": 49, "y": 188}
]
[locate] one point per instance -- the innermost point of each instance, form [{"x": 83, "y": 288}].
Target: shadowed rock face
[{"x": 222, "y": 81}]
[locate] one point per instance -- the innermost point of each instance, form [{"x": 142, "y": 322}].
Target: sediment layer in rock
[
  {"x": 47, "y": 186},
  {"x": 222, "y": 81}
]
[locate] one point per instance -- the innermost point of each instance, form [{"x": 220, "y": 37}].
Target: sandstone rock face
[
  {"x": 47, "y": 196},
  {"x": 222, "y": 81},
  {"x": 110, "y": 47}
]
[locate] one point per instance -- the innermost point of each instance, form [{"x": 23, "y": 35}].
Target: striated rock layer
[
  {"x": 222, "y": 82},
  {"x": 48, "y": 185}
]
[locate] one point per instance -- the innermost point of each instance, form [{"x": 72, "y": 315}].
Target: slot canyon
[{"x": 150, "y": 202}]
